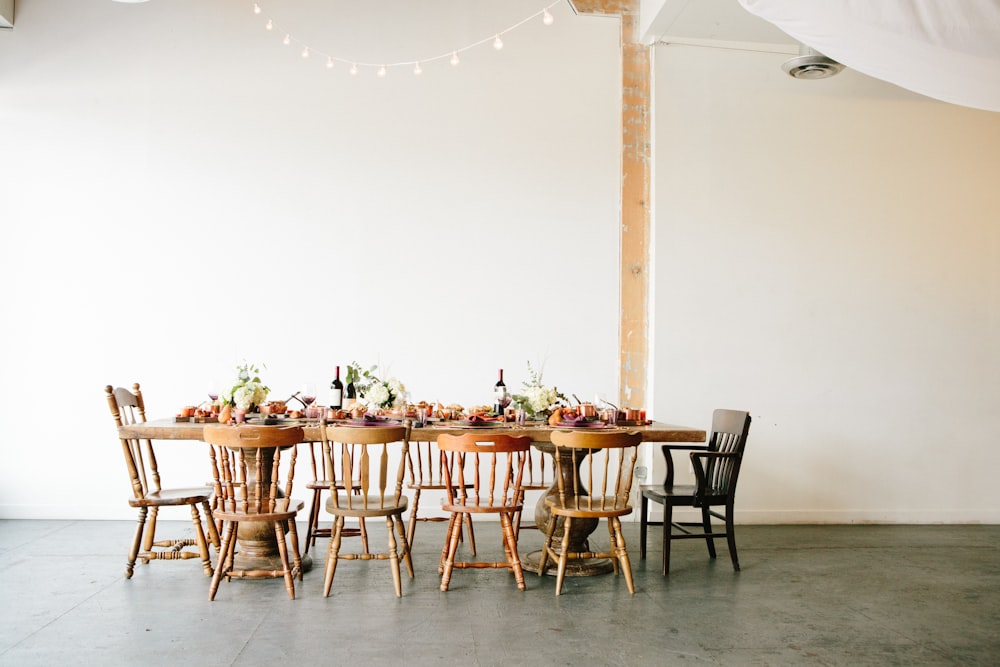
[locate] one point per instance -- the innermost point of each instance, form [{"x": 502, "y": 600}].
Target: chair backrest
[
  {"x": 716, "y": 478},
  {"x": 426, "y": 465},
  {"x": 246, "y": 463},
  {"x": 348, "y": 454},
  {"x": 606, "y": 463},
  {"x": 484, "y": 470},
  {"x": 128, "y": 408}
]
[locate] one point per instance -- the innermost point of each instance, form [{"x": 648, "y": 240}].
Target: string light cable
[{"x": 417, "y": 65}]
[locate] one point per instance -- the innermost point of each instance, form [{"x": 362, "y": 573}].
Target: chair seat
[
  {"x": 683, "y": 492},
  {"x": 285, "y": 509},
  {"x": 376, "y": 506},
  {"x": 324, "y": 484},
  {"x": 479, "y": 509},
  {"x": 167, "y": 497},
  {"x": 589, "y": 507}
]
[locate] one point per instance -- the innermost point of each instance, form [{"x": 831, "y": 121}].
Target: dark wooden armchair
[{"x": 716, "y": 473}]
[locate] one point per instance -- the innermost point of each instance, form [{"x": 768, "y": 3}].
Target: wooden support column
[{"x": 636, "y": 167}]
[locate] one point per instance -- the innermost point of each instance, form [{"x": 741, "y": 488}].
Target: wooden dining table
[{"x": 669, "y": 436}]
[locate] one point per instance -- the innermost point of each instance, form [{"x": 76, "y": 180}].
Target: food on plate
[
  {"x": 480, "y": 410},
  {"x": 295, "y": 414},
  {"x": 556, "y": 416}
]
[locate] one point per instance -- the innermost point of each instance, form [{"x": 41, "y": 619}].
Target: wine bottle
[
  {"x": 336, "y": 391},
  {"x": 500, "y": 397},
  {"x": 350, "y": 395}
]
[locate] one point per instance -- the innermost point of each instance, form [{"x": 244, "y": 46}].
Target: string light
[{"x": 382, "y": 69}]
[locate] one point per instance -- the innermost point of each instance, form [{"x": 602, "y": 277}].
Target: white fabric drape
[{"x": 946, "y": 50}]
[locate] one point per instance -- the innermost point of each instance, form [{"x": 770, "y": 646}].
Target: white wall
[
  {"x": 181, "y": 191},
  {"x": 827, "y": 256}
]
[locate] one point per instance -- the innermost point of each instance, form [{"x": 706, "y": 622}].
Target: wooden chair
[
  {"x": 127, "y": 408},
  {"x": 491, "y": 486},
  {"x": 246, "y": 467},
  {"x": 360, "y": 457},
  {"x": 716, "y": 472},
  {"x": 603, "y": 462},
  {"x": 427, "y": 474},
  {"x": 318, "y": 485}
]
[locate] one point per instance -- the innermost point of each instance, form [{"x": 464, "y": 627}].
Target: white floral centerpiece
[
  {"x": 248, "y": 391},
  {"x": 376, "y": 393},
  {"x": 535, "y": 398}
]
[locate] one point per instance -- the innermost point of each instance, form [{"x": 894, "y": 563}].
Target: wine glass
[
  {"x": 308, "y": 394},
  {"x": 503, "y": 400}
]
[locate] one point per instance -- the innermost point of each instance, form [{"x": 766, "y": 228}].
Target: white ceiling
[{"x": 716, "y": 23}]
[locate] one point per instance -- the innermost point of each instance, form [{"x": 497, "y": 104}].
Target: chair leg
[
  {"x": 706, "y": 524},
  {"x": 643, "y": 526},
  {"x": 546, "y": 546},
  {"x": 401, "y": 529},
  {"x": 411, "y": 528},
  {"x": 394, "y": 559},
  {"x": 472, "y": 535},
  {"x": 447, "y": 541},
  {"x": 563, "y": 556},
  {"x": 199, "y": 537},
  {"x": 133, "y": 551},
  {"x": 668, "y": 527},
  {"x": 286, "y": 570},
  {"x": 331, "y": 555},
  {"x": 293, "y": 536},
  {"x": 622, "y": 553},
  {"x": 313, "y": 521},
  {"x": 731, "y": 537},
  {"x": 451, "y": 544},
  {"x": 147, "y": 543},
  {"x": 612, "y": 537},
  {"x": 510, "y": 539},
  {"x": 213, "y": 529},
  {"x": 225, "y": 558},
  {"x": 364, "y": 534}
]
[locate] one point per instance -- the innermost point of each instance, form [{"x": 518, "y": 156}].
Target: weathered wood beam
[{"x": 636, "y": 166}]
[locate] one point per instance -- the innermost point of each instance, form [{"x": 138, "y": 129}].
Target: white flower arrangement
[
  {"x": 537, "y": 399},
  {"x": 248, "y": 390},
  {"x": 374, "y": 392}
]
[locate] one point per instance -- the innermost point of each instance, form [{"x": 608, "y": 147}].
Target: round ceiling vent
[{"x": 811, "y": 64}]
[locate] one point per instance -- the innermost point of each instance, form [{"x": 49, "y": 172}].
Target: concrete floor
[{"x": 823, "y": 595}]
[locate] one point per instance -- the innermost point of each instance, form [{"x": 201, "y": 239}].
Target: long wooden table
[{"x": 669, "y": 436}]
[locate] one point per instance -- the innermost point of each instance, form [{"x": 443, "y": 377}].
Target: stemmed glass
[
  {"x": 308, "y": 396},
  {"x": 503, "y": 400}
]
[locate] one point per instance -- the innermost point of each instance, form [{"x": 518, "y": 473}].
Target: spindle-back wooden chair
[
  {"x": 602, "y": 467},
  {"x": 359, "y": 456},
  {"x": 127, "y": 408},
  {"x": 482, "y": 475},
  {"x": 246, "y": 471},
  {"x": 426, "y": 473}
]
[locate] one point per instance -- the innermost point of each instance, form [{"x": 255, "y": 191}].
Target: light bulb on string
[
  {"x": 269, "y": 25},
  {"x": 256, "y": 8},
  {"x": 498, "y": 43},
  {"x": 547, "y": 17},
  {"x": 329, "y": 62},
  {"x": 287, "y": 40},
  {"x": 417, "y": 69},
  {"x": 454, "y": 58},
  {"x": 354, "y": 68},
  {"x": 305, "y": 52},
  {"x": 382, "y": 71}
]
